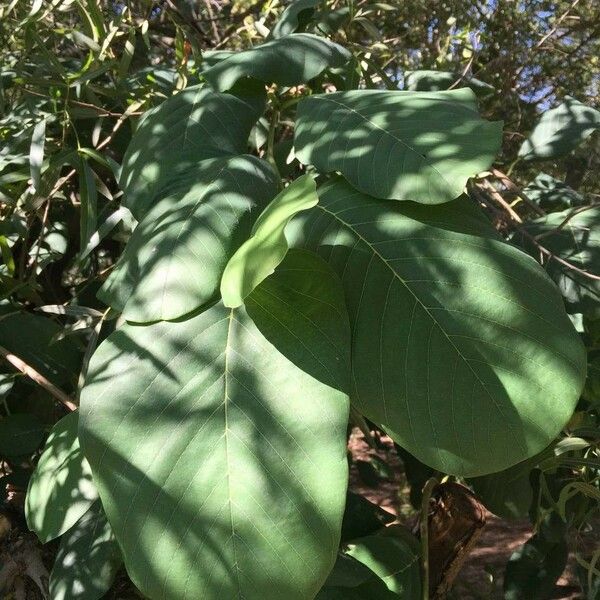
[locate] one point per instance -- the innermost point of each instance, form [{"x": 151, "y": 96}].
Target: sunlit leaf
[
  {"x": 398, "y": 145},
  {"x": 61, "y": 488},
  {"x": 175, "y": 257},
  {"x": 257, "y": 258},
  {"x": 291, "y": 60},
  {"x": 560, "y": 130},
  {"x": 460, "y": 341},
  {"x": 87, "y": 560},
  {"x": 221, "y": 441}
]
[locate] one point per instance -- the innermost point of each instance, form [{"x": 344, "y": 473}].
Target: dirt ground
[{"x": 500, "y": 538}]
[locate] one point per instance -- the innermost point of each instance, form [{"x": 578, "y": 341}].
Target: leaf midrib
[{"x": 420, "y": 303}]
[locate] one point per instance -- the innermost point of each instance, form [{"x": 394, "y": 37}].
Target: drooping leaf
[
  {"x": 434, "y": 81},
  {"x": 20, "y": 434},
  {"x": 220, "y": 441},
  {"x": 362, "y": 517},
  {"x": 87, "y": 560},
  {"x": 560, "y": 130},
  {"x": 196, "y": 124},
  {"x": 175, "y": 257},
  {"x": 36, "y": 154},
  {"x": 30, "y": 338},
  {"x": 291, "y": 60},
  {"x": 61, "y": 488},
  {"x": 578, "y": 242},
  {"x": 393, "y": 556},
  {"x": 420, "y": 146},
  {"x": 456, "y": 334},
  {"x": 295, "y": 15},
  {"x": 258, "y": 256},
  {"x": 551, "y": 194}
]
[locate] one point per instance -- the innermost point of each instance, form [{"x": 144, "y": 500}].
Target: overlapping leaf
[
  {"x": 431, "y": 81},
  {"x": 221, "y": 460},
  {"x": 560, "y": 130},
  {"x": 61, "y": 488},
  {"x": 420, "y": 146},
  {"x": 174, "y": 260},
  {"x": 291, "y": 60},
  {"x": 258, "y": 256},
  {"x": 87, "y": 560},
  {"x": 456, "y": 334},
  {"x": 194, "y": 125}
]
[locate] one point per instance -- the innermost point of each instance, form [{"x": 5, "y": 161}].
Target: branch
[{"x": 28, "y": 370}]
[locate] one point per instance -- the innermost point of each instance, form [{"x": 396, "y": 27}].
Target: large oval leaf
[
  {"x": 174, "y": 260},
  {"x": 461, "y": 345},
  {"x": 61, "y": 488},
  {"x": 258, "y": 256},
  {"x": 294, "y": 59},
  {"x": 221, "y": 462},
  {"x": 296, "y": 14},
  {"x": 560, "y": 130},
  {"x": 420, "y": 146},
  {"x": 196, "y": 124}
]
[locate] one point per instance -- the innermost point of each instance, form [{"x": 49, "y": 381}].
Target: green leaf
[
  {"x": 460, "y": 341},
  {"x": 210, "y": 446},
  {"x": 61, "y": 488},
  {"x": 88, "y": 195},
  {"x": 560, "y": 130},
  {"x": 258, "y": 256},
  {"x": 175, "y": 258},
  {"x": 577, "y": 242},
  {"x": 20, "y": 435},
  {"x": 87, "y": 560},
  {"x": 194, "y": 125},
  {"x": 552, "y": 194},
  {"x": 296, "y": 15},
  {"x": 291, "y": 60},
  {"x": 393, "y": 556},
  {"x": 417, "y": 146},
  {"x": 434, "y": 81},
  {"x": 30, "y": 338}
]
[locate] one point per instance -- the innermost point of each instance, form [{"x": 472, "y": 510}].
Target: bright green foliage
[
  {"x": 291, "y": 60},
  {"x": 417, "y": 146},
  {"x": 455, "y": 334},
  {"x": 258, "y": 256},
  {"x": 574, "y": 237},
  {"x": 88, "y": 559},
  {"x": 232, "y": 453},
  {"x": 61, "y": 488},
  {"x": 175, "y": 258},
  {"x": 560, "y": 130}
]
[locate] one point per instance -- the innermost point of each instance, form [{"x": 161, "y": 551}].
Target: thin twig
[
  {"x": 34, "y": 375},
  {"x": 511, "y": 185},
  {"x": 502, "y": 202}
]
